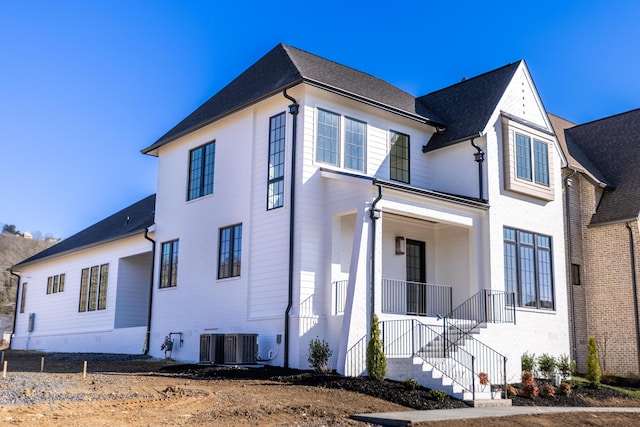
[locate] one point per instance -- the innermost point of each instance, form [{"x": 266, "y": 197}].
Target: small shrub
[
  {"x": 376, "y": 361},
  {"x": 565, "y": 367},
  {"x": 528, "y": 362},
  {"x": 547, "y": 365},
  {"x": 410, "y": 384},
  {"x": 529, "y": 387},
  {"x": 484, "y": 378},
  {"x": 319, "y": 354},
  {"x": 511, "y": 391},
  {"x": 564, "y": 389},
  {"x": 548, "y": 391},
  {"x": 437, "y": 395},
  {"x": 593, "y": 365}
]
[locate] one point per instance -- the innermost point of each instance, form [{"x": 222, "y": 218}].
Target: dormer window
[{"x": 528, "y": 160}]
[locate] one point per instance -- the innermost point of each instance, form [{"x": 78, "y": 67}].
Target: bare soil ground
[{"x": 146, "y": 392}]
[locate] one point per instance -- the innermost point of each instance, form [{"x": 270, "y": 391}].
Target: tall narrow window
[
  {"x": 23, "y": 297},
  {"x": 275, "y": 191},
  {"x": 201, "y": 171},
  {"x": 399, "y": 157},
  {"x": 541, "y": 157},
  {"x": 230, "y": 251},
  {"x": 523, "y": 156},
  {"x": 354, "y": 144},
  {"x": 528, "y": 268},
  {"x": 328, "y": 137},
  {"x": 575, "y": 274},
  {"x": 93, "y": 288},
  {"x": 169, "y": 264}
]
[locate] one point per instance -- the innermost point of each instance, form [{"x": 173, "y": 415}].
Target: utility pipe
[
  {"x": 293, "y": 110},
  {"x": 145, "y": 348},
  {"x": 15, "y": 311},
  {"x": 570, "y": 266},
  {"x": 634, "y": 284}
]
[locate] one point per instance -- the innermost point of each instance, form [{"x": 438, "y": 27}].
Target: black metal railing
[
  {"x": 415, "y": 298},
  {"x": 486, "y": 306}
]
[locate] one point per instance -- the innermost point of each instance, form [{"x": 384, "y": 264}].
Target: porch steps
[{"x": 401, "y": 369}]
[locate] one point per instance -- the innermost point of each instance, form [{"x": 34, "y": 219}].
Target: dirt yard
[{"x": 158, "y": 393}]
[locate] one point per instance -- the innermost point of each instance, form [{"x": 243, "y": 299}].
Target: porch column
[{"x": 353, "y": 338}]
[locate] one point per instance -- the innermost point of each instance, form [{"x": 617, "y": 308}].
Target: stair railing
[{"x": 486, "y": 306}]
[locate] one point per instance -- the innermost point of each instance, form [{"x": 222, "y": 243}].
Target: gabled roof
[
  {"x": 576, "y": 159},
  {"x": 130, "y": 220},
  {"x": 612, "y": 145},
  {"x": 284, "y": 67},
  {"x": 467, "y": 106}
]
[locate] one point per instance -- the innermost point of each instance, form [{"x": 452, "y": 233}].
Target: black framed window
[
  {"x": 275, "y": 183},
  {"x": 55, "y": 284},
  {"x": 230, "y": 251},
  {"x": 538, "y": 170},
  {"x": 575, "y": 274},
  {"x": 399, "y": 157},
  {"x": 201, "y": 171},
  {"x": 528, "y": 268},
  {"x": 94, "y": 282},
  {"x": 169, "y": 264}
]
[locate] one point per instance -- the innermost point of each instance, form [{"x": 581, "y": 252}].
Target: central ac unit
[
  {"x": 240, "y": 348},
  {"x": 212, "y": 348}
]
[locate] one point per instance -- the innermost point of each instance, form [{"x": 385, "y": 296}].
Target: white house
[{"x": 306, "y": 196}]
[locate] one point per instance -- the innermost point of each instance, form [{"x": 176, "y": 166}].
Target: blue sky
[{"x": 85, "y": 85}]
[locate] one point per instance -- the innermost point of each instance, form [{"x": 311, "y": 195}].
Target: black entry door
[{"x": 416, "y": 277}]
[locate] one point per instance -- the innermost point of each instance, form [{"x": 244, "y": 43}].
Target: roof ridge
[
  {"x": 624, "y": 113},
  {"x": 466, "y": 80}
]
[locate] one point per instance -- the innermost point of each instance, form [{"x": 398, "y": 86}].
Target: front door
[{"x": 416, "y": 277}]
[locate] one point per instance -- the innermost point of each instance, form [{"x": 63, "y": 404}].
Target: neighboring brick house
[
  {"x": 306, "y": 196},
  {"x": 602, "y": 207}
]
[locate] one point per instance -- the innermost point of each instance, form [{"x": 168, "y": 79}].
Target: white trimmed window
[
  {"x": 93, "y": 288},
  {"x": 346, "y": 149},
  {"x": 55, "y": 284}
]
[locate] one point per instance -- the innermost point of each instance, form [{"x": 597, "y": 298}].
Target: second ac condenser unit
[
  {"x": 240, "y": 348},
  {"x": 212, "y": 348}
]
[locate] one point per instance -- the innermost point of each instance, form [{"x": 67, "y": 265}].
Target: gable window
[
  {"x": 201, "y": 168},
  {"x": 399, "y": 157},
  {"x": 230, "y": 251},
  {"x": 334, "y": 147},
  {"x": 169, "y": 264},
  {"x": 93, "y": 288},
  {"x": 528, "y": 268},
  {"x": 538, "y": 171},
  {"x": 275, "y": 183},
  {"x": 55, "y": 284},
  {"x": 23, "y": 297}
]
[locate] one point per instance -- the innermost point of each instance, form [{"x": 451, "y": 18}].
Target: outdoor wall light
[{"x": 400, "y": 245}]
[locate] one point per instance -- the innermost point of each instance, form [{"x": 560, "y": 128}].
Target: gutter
[
  {"x": 634, "y": 284},
  {"x": 293, "y": 110},
  {"x": 15, "y": 311},
  {"x": 145, "y": 347}
]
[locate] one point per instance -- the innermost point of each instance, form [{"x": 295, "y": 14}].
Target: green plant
[
  {"x": 565, "y": 367},
  {"x": 547, "y": 365},
  {"x": 410, "y": 384},
  {"x": 529, "y": 387},
  {"x": 528, "y": 362},
  {"x": 564, "y": 389},
  {"x": 376, "y": 361},
  {"x": 437, "y": 395},
  {"x": 319, "y": 354},
  {"x": 593, "y": 365},
  {"x": 548, "y": 391},
  {"x": 511, "y": 391}
]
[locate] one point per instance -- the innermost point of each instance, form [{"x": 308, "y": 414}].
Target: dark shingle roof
[
  {"x": 284, "y": 67},
  {"x": 612, "y": 145},
  {"x": 576, "y": 158},
  {"x": 132, "y": 219},
  {"x": 467, "y": 106}
]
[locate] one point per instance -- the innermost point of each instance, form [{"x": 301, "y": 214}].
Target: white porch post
[{"x": 356, "y": 311}]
